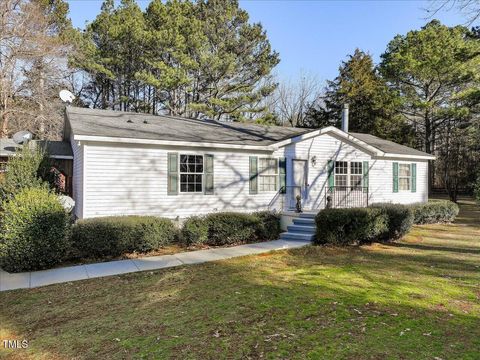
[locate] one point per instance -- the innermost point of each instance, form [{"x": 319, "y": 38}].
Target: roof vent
[
  {"x": 145, "y": 121},
  {"x": 129, "y": 121}
]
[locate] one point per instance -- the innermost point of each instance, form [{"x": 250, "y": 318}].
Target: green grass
[{"x": 415, "y": 299}]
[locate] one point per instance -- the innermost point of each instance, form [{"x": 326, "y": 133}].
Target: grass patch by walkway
[{"x": 415, "y": 299}]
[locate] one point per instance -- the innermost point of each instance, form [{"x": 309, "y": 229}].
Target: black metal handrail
[{"x": 346, "y": 196}]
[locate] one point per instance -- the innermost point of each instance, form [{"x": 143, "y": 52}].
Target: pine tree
[{"x": 373, "y": 106}]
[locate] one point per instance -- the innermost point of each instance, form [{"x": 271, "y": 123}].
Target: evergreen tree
[
  {"x": 187, "y": 58},
  {"x": 436, "y": 71},
  {"x": 373, "y": 106}
]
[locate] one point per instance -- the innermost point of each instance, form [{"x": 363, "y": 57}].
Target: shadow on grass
[
  {"x": 396, "y": 301},
  {"x": 438, "y": 248}
]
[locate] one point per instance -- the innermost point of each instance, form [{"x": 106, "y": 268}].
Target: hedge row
[
  {"x": 380, "y": 222},
  {"x": 230, "y": 228},
  {"x": 116, "y": 235}
]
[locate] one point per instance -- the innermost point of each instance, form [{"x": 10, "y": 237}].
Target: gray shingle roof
[
  {"x": 54, "y": 148},
  {"x": 388, "y": 146},
  {"x": 93, "y": 122},
  {"x": 117, "y": 124}
]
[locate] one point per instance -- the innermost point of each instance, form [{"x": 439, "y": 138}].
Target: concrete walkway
[{"x": 26, "y": 280}]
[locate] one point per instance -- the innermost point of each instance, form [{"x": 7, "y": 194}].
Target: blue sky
[{"x": 313, "y": 37}]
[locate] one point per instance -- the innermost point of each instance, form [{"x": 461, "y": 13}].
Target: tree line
[{"x": 205, "y": 59}]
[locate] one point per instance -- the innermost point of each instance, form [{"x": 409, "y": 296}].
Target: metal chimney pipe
[{"x": 345, "y": 118}]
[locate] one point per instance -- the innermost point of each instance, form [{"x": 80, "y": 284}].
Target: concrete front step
[
  {"x": 308, "y": 229},
  {"x": 304, "y": 221},
  {"x": 308, "y": 215},
  {"x": 297, "y": 236}
]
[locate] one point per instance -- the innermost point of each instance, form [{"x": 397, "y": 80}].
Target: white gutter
[
  {"x": 404, "y": 156},
  {"x": 171, "y": 143}
]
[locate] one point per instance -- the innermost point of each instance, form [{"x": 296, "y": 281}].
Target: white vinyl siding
[
  {"x": 132, "y": 180},
  {"x": 381, "y": 178},
  {"x": 121, "y": 179}
]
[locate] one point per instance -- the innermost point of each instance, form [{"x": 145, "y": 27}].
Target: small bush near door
[
  {"x": 269, "y": 225},
  {"x": 117, "y": 235},
  {"x": 34, "y": 231},
  {"x": 228, "y": 228},
  {"x": 435, "y": 211},
  {"x": 350, "y": 226}
]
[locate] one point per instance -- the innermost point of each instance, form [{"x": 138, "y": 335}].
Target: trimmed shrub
[
  {"x": 116, "y": 235},
  {"x": 400, "y": 220},
  {"x": 24, "y": 171},
  {"x": 269, "y": 225},
  {"x": 350, "y": 226},
  {"x": 194, "y": 231},
  {"x": 34, "y": 231},
  {"x": 227, "y": 228},
  {"x": 231, "y": 228},
  {"x": 436, "y": 211}
]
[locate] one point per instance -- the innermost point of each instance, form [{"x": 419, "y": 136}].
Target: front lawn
[{"x": 416, "y": 299}]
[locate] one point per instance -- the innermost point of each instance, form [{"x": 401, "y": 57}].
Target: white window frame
[
  {"x": 348, "y": 174},
  {"x": 180, "y": 173},
  {"x": 408, "y": 177},
  {"x": 261, "y": 177}
]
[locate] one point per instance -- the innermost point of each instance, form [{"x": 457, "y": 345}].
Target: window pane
[
  {"x": 356, "y": 168},
  {"x": 341, "y": 167},
  {"x": 340, "y": 180},
  {"x": 191, "y": 170},
  {"x": 404, "y": 169},
  {"x": 356, "y": 180},
  {"x": 404, "y": 183}
]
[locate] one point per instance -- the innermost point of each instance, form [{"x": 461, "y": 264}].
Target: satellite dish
[
  {"x": 22, "y": 137},
  {"x": 66, "y": 96},
  {"x": 67, "y": 202}
]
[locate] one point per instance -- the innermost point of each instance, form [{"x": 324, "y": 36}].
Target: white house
[{"x": 131, "y": 163}]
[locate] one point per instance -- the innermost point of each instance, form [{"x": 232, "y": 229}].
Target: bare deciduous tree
[
  {"x": 291, "y": 99},
  {"x": 470, "y": 9},
  {"x": 32, "y": 66}
]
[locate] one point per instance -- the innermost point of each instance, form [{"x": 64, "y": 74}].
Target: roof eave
[
  {"x": 410, "y": 156},
  {"x": 109, "y": 139}
]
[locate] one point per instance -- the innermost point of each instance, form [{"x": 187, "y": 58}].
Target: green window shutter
[
  {"x": 365, "y": 175},
  {"x": 395, "y": 177},
  {"x": 282, "y": 174},
  {"x": 253, "y": 186},
  {"x": 331, "y": 178},
  {"x": 209, "y": 187},
  {"x": 414, "y": 177},
  {"x": 172, "y": 183}
]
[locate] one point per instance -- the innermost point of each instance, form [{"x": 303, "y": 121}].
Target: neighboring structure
[
  {"x": 132, "y": 163},
  {"x": 59, "y": 152}
]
